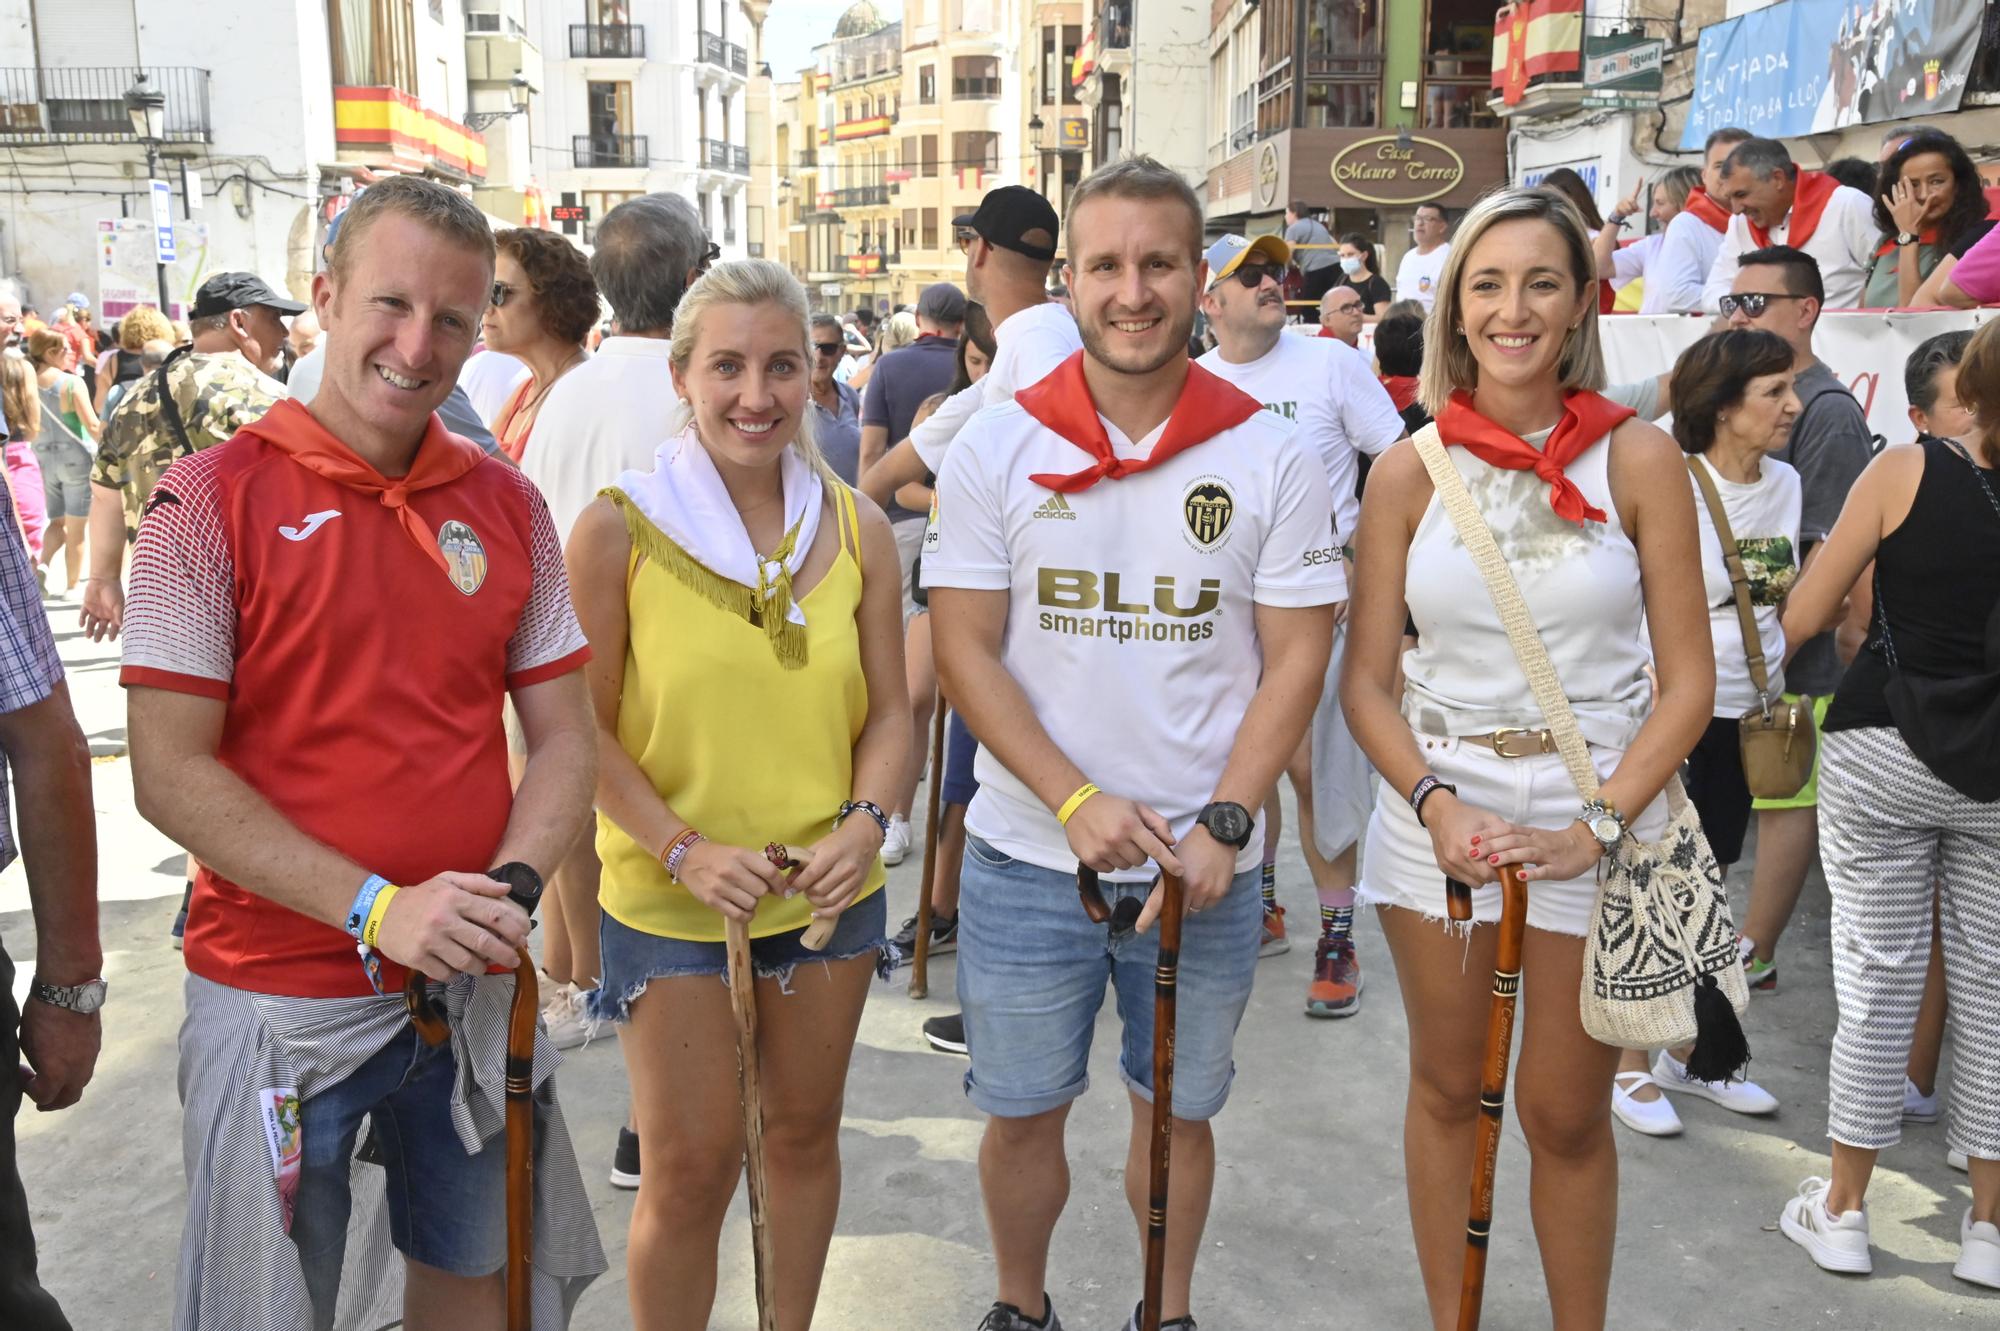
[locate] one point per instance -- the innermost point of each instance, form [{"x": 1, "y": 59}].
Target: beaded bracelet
[
  {"x": 1429, "y": 786},
  {"x": 677, "y": 851}
]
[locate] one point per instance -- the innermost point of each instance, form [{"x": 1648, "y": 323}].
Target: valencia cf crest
[
  {"x": 1208, "y": 508},
  {"x": 464, "y": 556}
]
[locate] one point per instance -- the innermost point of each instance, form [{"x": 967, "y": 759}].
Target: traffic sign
[{"x": 163, "y": 220}]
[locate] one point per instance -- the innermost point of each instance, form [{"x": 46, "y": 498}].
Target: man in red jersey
[{"x": 326, "y": 613}]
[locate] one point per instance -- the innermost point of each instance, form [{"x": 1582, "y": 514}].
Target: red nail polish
[
  {"x": 1475, "y": 841},
  {"x": 1493, "y": 859}
]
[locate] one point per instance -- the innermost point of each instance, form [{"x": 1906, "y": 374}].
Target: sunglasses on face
[
  {"x": 500, "y": 295},
  {"x": 1252, "y": 275},
  {"x": 1752, "y": 303},
  {"x": 828, "y": 348},
  {"x": 963, "y": 239}
]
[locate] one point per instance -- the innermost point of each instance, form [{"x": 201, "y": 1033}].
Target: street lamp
[
  {"x": 147, "y": 108},
  {"x": 519, "y": 90}
]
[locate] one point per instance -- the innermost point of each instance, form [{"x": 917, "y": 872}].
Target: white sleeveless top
[{"x": 1580, "y": 582}]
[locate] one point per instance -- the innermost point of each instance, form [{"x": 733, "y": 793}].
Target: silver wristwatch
[
  {"x": 1604, "y": 822},
  {"x": 83, "y": 998}
]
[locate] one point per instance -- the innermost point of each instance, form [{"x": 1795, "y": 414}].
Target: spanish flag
[
  {"x": 1532, "y": 39},
  {"x": 1085, "y": 61}
]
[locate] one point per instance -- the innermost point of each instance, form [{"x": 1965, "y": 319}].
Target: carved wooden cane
[
  {"x": 920, "y": 972},
  {"x": 743, "y": 1003},
  {"x": 1166, "y": 979},
  {"x": 1493, "y": 1077}
]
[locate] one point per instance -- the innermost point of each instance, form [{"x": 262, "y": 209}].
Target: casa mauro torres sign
[{"x": 1396, "y": 169}]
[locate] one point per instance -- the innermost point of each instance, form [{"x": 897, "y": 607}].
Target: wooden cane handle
[{"x": 819, "y": 933}]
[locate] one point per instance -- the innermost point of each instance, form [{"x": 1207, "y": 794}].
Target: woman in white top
[
  {"x": 1592, "y": 510},
  {"x": 1733, "y": 405}
]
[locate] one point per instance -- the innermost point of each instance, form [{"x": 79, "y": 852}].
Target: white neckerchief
[{"x": 684, "y": 497}]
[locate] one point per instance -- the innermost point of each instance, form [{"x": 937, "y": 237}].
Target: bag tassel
[{"x": 1720, "y": 1049}]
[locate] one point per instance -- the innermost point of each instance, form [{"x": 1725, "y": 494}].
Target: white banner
[{"x": 1865, "y": 349}]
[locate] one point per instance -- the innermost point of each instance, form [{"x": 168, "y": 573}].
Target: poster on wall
[
  {"x": 126, "y": 276},
  {"x": 1807, "y": 66}
]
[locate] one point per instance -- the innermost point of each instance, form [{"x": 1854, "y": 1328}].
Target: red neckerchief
[
  {"x": 441, "y": 458},
  {"x": 1708, "y": 210},
  {"x": 1402, "y": 389},
  {"x": 1808, "y": 202},
  {"x": 1207, "y": 406},
  {"x": 1586, "y": 419}
]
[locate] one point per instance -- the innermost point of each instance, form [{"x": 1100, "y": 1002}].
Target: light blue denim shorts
[{"x": 1031, "y": 978}]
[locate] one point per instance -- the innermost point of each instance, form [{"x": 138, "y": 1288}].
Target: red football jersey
[{"x": 364, "y": 683}]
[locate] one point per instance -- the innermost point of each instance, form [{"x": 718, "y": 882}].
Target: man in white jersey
[
  {"x": 1009, "y": 244},
  {"x": 1330, "y": 394},
  {"x": 1133, "y": 579}
]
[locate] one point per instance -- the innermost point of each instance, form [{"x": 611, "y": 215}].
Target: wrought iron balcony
[
  {"x": 719, "y": 156},
  {"x": 861, "y": 196},
  {"x": 613, "y": 150},
  {"x": 724, "y": 55},
  {"x": 87, "y": 104},
  {"x": 607, "y": 41}
]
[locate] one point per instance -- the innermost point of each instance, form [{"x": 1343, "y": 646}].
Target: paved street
[{"x": 1308, "y": 1229}]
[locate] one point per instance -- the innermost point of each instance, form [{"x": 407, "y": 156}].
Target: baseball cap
[
  {"x": 235, "y": 291},
  {"x": 78, "y": 300},
  {"x": 1006, "y": 215},
  {"x": 942, "y": 303},
  {"x": 1227, "y": 254}
]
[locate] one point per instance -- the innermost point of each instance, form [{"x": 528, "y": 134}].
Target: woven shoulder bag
[{"x": 1660, "y": 967}]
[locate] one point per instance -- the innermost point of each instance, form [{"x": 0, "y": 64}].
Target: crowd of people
[{"x": 669, "y": 614}]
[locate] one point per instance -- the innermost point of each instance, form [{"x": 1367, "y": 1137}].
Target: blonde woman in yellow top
[{"x": 744, "y": 610}]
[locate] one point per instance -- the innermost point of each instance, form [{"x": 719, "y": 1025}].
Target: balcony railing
[
  {"x": 725, "y": 55},
  {"x": 719, "y": 156},
  {"x": 607, "y": 41},
  {"x": 861, "y": 196},
  {"x": 1114, "y": 24},
  {"x": 614, "y": 150},
  {"x": 975, "y": 89},
  {"x": 810, "y": 157},
  {"x": 87, "y": 104}
]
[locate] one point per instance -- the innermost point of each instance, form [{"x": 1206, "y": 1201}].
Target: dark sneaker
[
  {"x": 1335, "y": 990},
  {"x": 625, "y": 1164},
  {"x": 1006, "y": 1317},
  {"x": 947, "y": 1034},
  {"x": 944, "y": 938},
  {"x": 1172, "y": 1324}
]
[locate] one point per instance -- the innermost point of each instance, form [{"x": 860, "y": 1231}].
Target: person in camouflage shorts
[{"x": 220, "y": 384}]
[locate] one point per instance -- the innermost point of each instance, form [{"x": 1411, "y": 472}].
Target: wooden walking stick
[
  {"x": 1166, "y": 980},
  {"x": 920, "y": 964},
  {"x": 1493, "y": 1077},
  {"x": 743, "y": 1002},
  {"x": 525, "y": 892}
]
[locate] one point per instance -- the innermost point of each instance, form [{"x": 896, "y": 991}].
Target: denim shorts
[
  {"x": 960, "y": 748},
  {"x": 631, "y": 958},
  {"x": 1031, "y": 975},
  {"x": 446, "y": 1209},
  {"x": 65, "y": 478}
]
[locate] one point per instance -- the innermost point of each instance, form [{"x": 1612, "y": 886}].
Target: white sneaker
[
  {"x": 1918, "y": 1107},
  {"x": 1835, "y": 1244},
  {"x": 1655, "y": 1118},
  {"x": 565, "y": 1020},
  {"x": 1738, "y": 1094},
  {"x": 896, "y": 841},
  {"x": 1957, "y": 1160},
  {"x": 1978, "y": 1252}
]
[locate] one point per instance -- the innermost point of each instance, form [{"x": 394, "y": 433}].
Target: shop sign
[
  {"x": 1267, "y": 176},
  {"x": 1075, "y": 133},
  {"x": 1397, "y": 169}
]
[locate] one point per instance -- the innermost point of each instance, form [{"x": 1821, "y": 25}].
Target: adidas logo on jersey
[{"x": 1056, "y": 507}]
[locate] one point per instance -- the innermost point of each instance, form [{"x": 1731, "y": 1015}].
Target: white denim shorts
[{"x": 1399, "y": 868}]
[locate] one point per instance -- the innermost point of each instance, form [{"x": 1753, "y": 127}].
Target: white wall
[
  {"x": 1167, "y": 90},
  {"x": 271, "y": 116}
]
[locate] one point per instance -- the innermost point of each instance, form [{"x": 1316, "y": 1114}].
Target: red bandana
[
  {"x": 1708, "y": 210},
  {"x": 1208, "y": 405},
  {"x": 1587, "y": 418},
  {"x": 1808, "y": 202},
  {"x": 1402, "y": 389},
  {"x": 441, "y": 458}
]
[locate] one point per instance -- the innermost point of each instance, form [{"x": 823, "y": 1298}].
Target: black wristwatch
[
  {"x": 524, "y": 885},
  {"x": 1905, "y": 238},
  {"x": 1228, "y": 823}
]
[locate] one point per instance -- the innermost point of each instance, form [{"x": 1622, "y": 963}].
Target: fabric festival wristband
[
  {"x": 1426, "y": 788},
  {"x": 1075, "y": 802},
  {"x": 671, "y": 858},
  {"x": 364, "y": 902},
  {"x": 377, "y": 913}
]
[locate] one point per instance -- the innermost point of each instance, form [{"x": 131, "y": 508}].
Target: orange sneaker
[
  {"x": 1274, "y": 933},
  {"x": 1336, "y": 984}
]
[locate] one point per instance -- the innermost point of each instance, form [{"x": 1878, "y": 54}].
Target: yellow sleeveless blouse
[{"x": 745, "y": 748}]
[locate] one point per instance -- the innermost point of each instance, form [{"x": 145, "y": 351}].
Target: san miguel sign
[{"x": 1396, "y": 169}]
